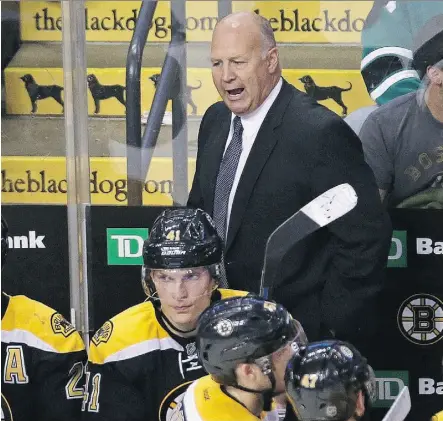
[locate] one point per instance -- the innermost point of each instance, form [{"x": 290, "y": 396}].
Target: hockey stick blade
[
  {"x": 401, "y": 406},
  {"x": 321, "y": 211}
]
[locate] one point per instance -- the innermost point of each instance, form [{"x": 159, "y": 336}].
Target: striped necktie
[{"x": 225, "y": 179}]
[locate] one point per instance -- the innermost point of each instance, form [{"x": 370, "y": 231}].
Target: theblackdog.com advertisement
[
  {"x": 43, "y": 180},
  {"x": 292, "y": 21}
]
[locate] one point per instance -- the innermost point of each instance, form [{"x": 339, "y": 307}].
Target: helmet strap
[{"x": 269, "y": 393}]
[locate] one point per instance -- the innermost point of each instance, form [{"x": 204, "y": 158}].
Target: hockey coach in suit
[{"x": 264, "y": 152}]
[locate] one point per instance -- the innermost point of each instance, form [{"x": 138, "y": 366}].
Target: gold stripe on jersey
[
  {"x": 228, "y": 293},
  {"x": 205, "y": 401},
  {"x": 438, "y": 417},
  {"x": 33, "y": 323},
  {"x": 135, "y": 331}
]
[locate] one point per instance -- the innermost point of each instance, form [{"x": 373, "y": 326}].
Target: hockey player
[
  {"x": 43, "y": 359},
  {"x": 244, "y": 344},
  {"x": 142, "y": 360},
  {"x": 329, "y": 380}
]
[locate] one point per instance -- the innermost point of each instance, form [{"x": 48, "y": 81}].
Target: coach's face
[{"x": 243, "y": 72}]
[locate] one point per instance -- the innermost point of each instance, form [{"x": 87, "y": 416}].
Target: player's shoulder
[
  {"x": 39, "y": 326},
  {"x": 133, "y": 332},
  {"x": 205, "y": 400},
  {"x": 228, "y": 293}
]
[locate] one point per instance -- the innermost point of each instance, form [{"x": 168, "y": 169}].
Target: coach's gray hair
[
  {"x": 439, "y": 65},
  {"x": 267, "y": 34}
]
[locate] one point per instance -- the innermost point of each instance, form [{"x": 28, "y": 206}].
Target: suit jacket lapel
[
  {"x": 263, "y": 145},
  {"x": 213, "y": 156}
]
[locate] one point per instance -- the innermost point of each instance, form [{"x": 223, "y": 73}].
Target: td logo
[
  {"x": 389, "y": 385},
  {"x": 125, "y": 245},
  {"x": 398, "y": 253}
]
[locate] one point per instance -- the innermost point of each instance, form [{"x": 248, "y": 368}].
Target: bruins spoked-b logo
[
  {"x": 103, "y": 334},
  {"x": 170, "y": 408},
  {"x": 61, "y": 325},
  {"x": 224, "y": 327},
  {"x": 420, "y": 319}
]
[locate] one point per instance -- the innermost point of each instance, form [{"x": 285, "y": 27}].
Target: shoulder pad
[
  {"x": 37, "y": 325},
  {"x": 130, "y": 333}
]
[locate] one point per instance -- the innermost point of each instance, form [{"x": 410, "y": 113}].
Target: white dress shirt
[{"x": 251, "y": 125}]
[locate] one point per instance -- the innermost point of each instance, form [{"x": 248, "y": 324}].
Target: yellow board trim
[
  {"x": 43, "y": 180},
  {"x": 18, "y": 101},
  {"x": 292, "y": 21}
]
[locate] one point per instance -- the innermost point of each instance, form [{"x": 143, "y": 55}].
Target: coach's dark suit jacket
[{"x": 330, "y": 280}]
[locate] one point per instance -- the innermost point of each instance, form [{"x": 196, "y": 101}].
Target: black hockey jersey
[
  {"x": 43, "y": 359},
  {"x": 137, "y": 368}
]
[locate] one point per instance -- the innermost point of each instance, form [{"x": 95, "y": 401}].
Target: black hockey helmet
[
  {"x": 324, "y": 378},
  {"x": 5, "y": 245},
  {"x": 182, "y": 238},
  {"x": 243, "y": 330}
]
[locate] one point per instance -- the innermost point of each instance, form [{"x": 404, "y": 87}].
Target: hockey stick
[
  {"x": 401, "y": 406},
  {"x": 321, "y": 211}
]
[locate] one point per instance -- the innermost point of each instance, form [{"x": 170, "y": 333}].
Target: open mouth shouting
[{"x": 234, "y": 94}]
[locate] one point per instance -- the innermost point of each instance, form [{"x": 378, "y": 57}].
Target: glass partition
[{"x": 316, "y": 38}]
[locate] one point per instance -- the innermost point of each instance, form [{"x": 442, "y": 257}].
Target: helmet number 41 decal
[{"x": 173, "y": 235}]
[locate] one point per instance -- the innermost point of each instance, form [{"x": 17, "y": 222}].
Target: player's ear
[
  {"x": 244, "y": 371},
  {"x": 360, "y": 408}
]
